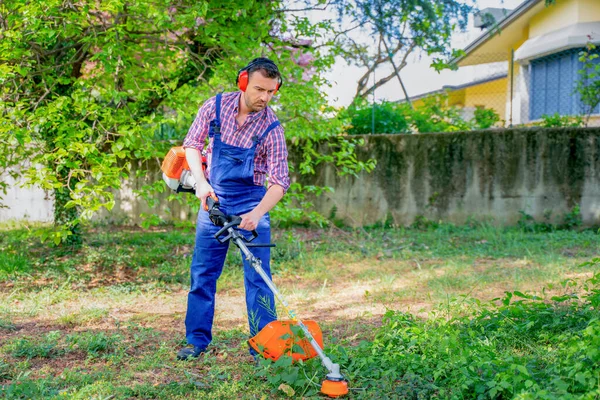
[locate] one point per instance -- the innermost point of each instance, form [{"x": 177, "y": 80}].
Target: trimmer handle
[
  {"x": 182, "y": 189},
  {"x": 228, "y": 224},
  {"x": 229, "y": 228},
  {"x": 212, "y": 201}
]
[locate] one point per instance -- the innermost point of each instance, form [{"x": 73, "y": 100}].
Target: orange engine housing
[
  {"x": 174, "y": 163},
  {"x": 277, "y": 339}
]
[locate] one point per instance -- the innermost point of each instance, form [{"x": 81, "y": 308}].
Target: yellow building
[
  {"x": 488, "y": 92},
  {"x": 540, "y": 44}
]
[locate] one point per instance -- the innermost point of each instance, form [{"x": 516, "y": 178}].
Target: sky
[{"x": 418, "y": 76}]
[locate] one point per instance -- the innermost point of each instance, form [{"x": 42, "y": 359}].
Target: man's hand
[
  {"x": 203, "y": 190},
  {"x": 250, "y": 220}
]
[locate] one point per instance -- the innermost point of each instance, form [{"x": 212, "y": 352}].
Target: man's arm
[
  {"x": 194, "y": 143},
  {"x": 271, "y": 198},
  {"x": 203, "y": 188}
]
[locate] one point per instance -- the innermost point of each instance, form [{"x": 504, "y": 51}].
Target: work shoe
[{"x": 189, "y": 352}]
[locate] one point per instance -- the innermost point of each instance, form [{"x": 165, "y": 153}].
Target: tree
[
  {"x": 87, "y": 87},
  {"x": 397, "y": 29}
]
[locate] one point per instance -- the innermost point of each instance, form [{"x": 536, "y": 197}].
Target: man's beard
[{"x": 256, "y": 106}]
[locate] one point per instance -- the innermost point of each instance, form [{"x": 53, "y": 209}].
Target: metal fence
[{"x": 545, "y": 91}]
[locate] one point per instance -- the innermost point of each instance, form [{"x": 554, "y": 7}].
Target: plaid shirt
[{"x": 271, "y": 154}]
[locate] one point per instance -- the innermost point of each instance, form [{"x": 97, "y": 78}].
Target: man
[{"x": 246, "y": 145}]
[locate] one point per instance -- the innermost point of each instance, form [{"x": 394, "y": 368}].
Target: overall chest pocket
[{"x": 232, "y": 157}]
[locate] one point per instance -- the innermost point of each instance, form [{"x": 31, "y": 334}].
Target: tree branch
[
  {"x": 313, "y": 8},
  {"x": 396, "y": 71}
]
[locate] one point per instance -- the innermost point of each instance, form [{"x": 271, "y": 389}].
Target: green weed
[
  {"x": 29, "y": 347},
  {"x": 83, "y": 317},
  {"x": 521, "y": 346},
  {"x": 7, "y": 324},
  {"x": 518, "y": 346},
  {"x": 94, "y": 343}
]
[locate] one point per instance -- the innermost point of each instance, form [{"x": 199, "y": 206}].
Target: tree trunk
[{"x": 64, "y": 216}]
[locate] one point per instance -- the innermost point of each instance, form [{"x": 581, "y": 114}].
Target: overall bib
[{"x": 232, "y": 178}]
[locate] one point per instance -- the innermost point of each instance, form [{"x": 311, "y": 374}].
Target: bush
[
  {"x": 485, "y": 118},
  {"x": 558, "y": 121},
  {"x": 517, "y": 346},
  {"x": 432, "y": 116},
  {"x": 523, "y": 346},
  {"x": 389, "y": 118}
]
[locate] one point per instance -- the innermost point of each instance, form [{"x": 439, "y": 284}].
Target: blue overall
[{"x": 232, "y": 178}]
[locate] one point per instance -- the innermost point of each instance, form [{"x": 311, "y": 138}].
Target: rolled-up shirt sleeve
[
  {"x": 277, "y": 159},
  {"x": 197, "y": 133}
]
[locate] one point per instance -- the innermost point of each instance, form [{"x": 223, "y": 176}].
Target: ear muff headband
[{"x": 243, "y": 75}]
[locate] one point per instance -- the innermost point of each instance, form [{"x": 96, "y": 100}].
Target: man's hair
[{"x": 269, "y": 68}]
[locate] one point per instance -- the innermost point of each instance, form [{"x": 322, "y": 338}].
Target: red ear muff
[
  {"x": 242, "y": 80},
  {"x": 243, "y": 76}
]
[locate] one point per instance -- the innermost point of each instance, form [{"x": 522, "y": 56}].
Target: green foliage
[
  {"x": 90, "y": 87},
  {"x": 32, "y": 348},
  {"x": 423, "y": 223},
  {"x": 588, "y": 84},
  {"x": 570, "y": 220},
  {"x": 387, "y": 117},
  {"x": 485, "y": 118},
  {"x": 295, "y": 380},
  {"x": 94, "y": 343},
  {"x": 528, "y": 224},
  {"x": 560, "y": 121},
  {"x": 432, "y": 116},
  {"x": 462, "y": 347},
  {"x": 573, "y": 219},
  {"x": 519, "y": 346}
]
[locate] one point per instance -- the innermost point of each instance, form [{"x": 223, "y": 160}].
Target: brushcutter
[{"x": 274, "y": 340}]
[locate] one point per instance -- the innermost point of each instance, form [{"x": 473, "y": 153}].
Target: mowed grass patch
[
  {"x": 106, "y": 319},
  {"x": 126, "y": 361}
]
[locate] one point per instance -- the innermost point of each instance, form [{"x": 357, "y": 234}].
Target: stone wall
[
  {"x": 483, "y": 175},
  {"x": 493, "y": 174}
]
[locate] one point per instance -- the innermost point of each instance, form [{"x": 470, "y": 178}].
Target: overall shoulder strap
[
  {"x": 215, "y": 124},
  {"x": 273, "y": 125}
]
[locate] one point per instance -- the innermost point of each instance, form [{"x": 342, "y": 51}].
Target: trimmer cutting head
[{"x": 334, "y": 388}]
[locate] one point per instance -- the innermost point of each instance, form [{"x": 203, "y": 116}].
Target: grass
[{"x": 105, "y": 320}]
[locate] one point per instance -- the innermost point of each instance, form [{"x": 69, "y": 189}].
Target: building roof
[
  {"x": 490, "y": 41},
  {"x": 450, "y": 88}
]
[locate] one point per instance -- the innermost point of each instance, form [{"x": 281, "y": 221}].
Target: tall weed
[{"x": 517, "y": 346}]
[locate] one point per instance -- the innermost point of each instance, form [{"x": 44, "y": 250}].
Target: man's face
[{"x": 259, "y": 92}]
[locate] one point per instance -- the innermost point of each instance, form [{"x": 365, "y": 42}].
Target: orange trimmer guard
[{"x": 277, "y": 339}]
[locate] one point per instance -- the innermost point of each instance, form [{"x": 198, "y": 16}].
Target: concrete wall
[
  {"x": 557, "y": 16},
  {"x": 451, "y": 176},
  {"x": 589, "y": 10},
  {"x": 25, "y": 203},
  {"x": 482, "y": 175}
]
